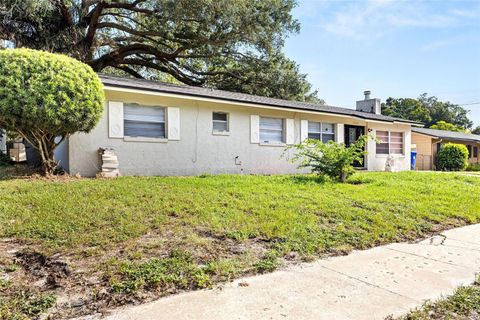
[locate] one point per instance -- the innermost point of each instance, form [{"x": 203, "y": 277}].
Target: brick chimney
[{"x": 370, "y": 105}]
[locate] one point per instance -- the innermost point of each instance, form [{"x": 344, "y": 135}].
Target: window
[
  {"x": 390, "y": 142},
  {"x": 220, "y": 122},
  {"x": 469, "y": 148},
  {"x": 475, "y": 152},
  {"x": 321, "y": 131},
  {"x": 144, "y": 121},
  {"x": 271, "y": 130}
]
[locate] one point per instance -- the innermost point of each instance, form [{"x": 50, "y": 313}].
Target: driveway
[{"x": 370, "y": 284}]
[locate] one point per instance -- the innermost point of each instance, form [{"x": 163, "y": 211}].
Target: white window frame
[
  {"x": 227, "y": 122},
  {"x": 334, "y": 133},
  {"x": 283, "y": 130},
  {"x": 140, "y": 137},
  {"x": 389, "y": 133}
]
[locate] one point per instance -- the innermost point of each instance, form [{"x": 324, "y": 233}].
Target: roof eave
[{"x": 172, "y": 92}]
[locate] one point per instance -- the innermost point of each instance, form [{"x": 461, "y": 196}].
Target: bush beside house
[
  {"x": 452, "y": 157},
  {"x": 45, "y": 98},
  {"x": 331, "y": 159}
]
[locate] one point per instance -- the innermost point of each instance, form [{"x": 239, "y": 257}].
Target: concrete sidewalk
[{"x": 370, "y": 284}]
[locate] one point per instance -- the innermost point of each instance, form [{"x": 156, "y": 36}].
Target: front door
[{"x": 352, "y": 133}]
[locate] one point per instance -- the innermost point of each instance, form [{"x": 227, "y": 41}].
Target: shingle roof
[
  {"x": 444, "y": 134},
  {"x": 157, "y": 86}
]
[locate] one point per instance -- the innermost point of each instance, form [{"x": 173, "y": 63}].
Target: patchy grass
[
  {"x": 463, "y": 304},
  {"x": 178, "y": 271},
  {"x": 21, "y": 303},
  {"x": 137, "y": 238}
]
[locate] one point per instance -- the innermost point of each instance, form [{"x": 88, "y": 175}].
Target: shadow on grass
[
  {"x": 308, "y": 179},
  {"x": 18, "y": 171},
  {"x": 359, "y": 180}
]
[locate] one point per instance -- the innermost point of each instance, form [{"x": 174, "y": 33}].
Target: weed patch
[
  {"x": 19, "y": 303},
  {"x": 178, "y": 271},
  {"x": 463, "y": 304}
]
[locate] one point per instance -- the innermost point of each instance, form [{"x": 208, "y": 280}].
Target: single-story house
[
  {"x": 429, "y": 141},
  {"x": 158, "y": 128}
]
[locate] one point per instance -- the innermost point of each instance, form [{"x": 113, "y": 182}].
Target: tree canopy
[
  {"x": 428, "y": 110},
  {"x": 232, "y": 45},
  {"x": 442, "y": 125},
  {"x": 45, "y": 97}
]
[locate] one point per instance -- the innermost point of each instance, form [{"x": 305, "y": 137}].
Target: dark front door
[{"x": 352, "y": 133}]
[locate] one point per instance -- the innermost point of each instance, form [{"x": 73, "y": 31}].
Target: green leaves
[
  {"x": 442, "y": 125},
  {"x": 452, "y": 157},
  {"x": 45, "y": 95},
  {"x": 331, "y": 159},
  {"x": 428, "y": 110},
  {"x": 233, "y": 45}
]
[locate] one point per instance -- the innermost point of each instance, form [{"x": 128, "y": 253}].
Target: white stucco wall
[
  {"x": 3, "y": 141},
  {"x": 376, "y": 162},
  {"x": 199, "y": 150},
  {"x": 61, "y": 155}
]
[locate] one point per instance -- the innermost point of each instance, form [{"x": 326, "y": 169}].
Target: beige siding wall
[
  {"x": 199, "y": 150},
  {"x": 377, "y": 162},
  {"x": 477, "y": 158},
  {"x": 424, "y": 151},
  {"x": 427, "y": 148}
]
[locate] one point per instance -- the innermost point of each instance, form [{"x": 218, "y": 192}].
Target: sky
[{"x": 393, "y": 48}]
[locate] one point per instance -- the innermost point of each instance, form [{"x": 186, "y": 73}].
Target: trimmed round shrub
[
  {"x": 47, "y": 97},
  {"x": 452, "y": 157}
]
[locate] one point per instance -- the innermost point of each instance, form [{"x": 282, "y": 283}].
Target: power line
[{"x": 469, "y": 104}]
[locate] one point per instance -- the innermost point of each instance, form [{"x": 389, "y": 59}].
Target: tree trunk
[
  {"x": 343, "y": 177},
  {"x": 48, "y": 164},
  {"x": 45, "y": 146}
]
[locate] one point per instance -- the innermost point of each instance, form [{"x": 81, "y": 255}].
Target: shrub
[
  {"x": 4, "y": 159},
  {"x": 473, "y": 167},
  {"x": 334, "y": 160},
  {"x": 44, "y": 96},
  {"x": 452, "y": 157}
]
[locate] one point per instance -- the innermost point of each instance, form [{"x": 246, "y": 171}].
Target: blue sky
[{"x": 393, "y": 48}]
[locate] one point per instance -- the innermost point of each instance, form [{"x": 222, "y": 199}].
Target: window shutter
[
  {"x": 173, "y": 123},
  {"x": 303, "y": 130},
  {"x": 340, "y": 133},
  {"x": 254, "y": 128},
  {"x": 115, "y": 119},
  {"x": 290, "y": 131}
]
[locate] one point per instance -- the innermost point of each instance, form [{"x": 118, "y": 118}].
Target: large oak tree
[{"x": 228, "y": 44}]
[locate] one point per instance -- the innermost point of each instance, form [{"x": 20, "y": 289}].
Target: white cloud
[{"x": 375, "y": 18}]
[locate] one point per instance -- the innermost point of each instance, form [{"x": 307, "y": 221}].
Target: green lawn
[
  {"x": 462, "y": 305},
  {"x": 146, "y": 237}
]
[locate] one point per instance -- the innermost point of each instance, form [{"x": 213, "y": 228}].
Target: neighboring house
[
  {"x": 429, "y": 141},
  {"x": 164, "y": 129}
]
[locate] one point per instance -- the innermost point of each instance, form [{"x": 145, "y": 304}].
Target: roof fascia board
[
  {"x": 253, "y": 105},
  {"x": 445, "y": 138},
  {"x": 425, "y": 134},
  {"x": 411, "y": 123}
]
